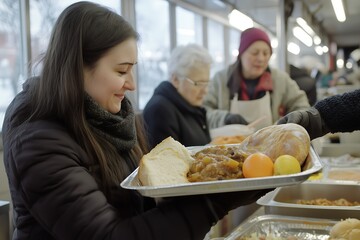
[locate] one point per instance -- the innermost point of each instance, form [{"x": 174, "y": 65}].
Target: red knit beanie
[{"x": 251, "y": 35}]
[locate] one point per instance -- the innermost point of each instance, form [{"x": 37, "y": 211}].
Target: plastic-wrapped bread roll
[
  {"x": 348, "y": 229},
  {"x": 277, "y": 140}
]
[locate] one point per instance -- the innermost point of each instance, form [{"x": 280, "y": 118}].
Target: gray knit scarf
[{"x": 118, "y": 129}]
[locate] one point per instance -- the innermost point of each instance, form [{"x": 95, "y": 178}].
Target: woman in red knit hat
[{"x": 249, "y": 89}]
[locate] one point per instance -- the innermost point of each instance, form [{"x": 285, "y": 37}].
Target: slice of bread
[{"x": 166, "y": 164}]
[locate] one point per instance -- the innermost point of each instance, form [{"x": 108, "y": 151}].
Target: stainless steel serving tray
[
  {"x": 338, "y": 149},
  {"x": 283, "y": 227},
  {"x": 312, "y": 165},
  {"x": 282, "y": 201},
  {"x": 344, "y": 168}
]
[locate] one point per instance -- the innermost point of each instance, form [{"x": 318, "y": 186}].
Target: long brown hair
[{"x": 82, "y": 34}]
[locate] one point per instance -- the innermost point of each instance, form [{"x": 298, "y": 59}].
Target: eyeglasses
[{"x": 202, "y": 84}]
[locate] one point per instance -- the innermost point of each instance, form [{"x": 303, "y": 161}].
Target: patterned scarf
[
  {"x": 118, "y": 129},
  {"x": 237, "y": 85}
]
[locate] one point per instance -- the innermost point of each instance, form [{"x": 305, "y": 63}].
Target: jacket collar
[{"x": 236, "y": 83}]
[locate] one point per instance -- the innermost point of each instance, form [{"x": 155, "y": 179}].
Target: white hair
[{"x": 184, "y": 58}]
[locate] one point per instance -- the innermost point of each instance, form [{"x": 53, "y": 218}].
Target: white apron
[{"x": 252, "y": 110}]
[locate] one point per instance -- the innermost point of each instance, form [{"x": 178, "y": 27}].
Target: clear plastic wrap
[{"x": 276, "y": 227}]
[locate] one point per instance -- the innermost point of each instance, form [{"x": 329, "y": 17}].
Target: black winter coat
[
  {"x": 341, "y": 113},
  {"x": 55, "y": 196},
  {"x": 168, "y": 114}
]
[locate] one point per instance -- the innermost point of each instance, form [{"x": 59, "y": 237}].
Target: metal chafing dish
[
  {"x": 345, "y": 167},
  {"x": 282, "y": 201},
  {"x": 282, "y": 227}
]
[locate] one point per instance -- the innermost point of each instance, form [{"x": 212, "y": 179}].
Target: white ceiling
[
  {"x": 344, "y": 34},
  {"x": 264, "y": 12}
]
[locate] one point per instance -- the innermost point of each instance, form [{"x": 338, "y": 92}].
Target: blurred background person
[
  {"x": 305, "y": 82},
  {"x": 175, "y": 109},
  {"x": 328, "y": 79},
  {"x": 354, "y": 76},
  {"x": 249, "y": 89}
]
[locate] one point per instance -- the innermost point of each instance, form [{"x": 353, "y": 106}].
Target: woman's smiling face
[{"x": 112, "y": 76}]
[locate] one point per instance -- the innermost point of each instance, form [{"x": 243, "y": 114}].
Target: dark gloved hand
[
  {"x": 310, "y": 119},
  {"x": 221, "y": 203},
  {"x": 235, "y": 119}
]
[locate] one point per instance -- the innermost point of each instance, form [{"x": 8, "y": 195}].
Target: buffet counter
[{"x": 339, "y": 179}]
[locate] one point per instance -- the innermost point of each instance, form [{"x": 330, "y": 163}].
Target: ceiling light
[
  {"x": 302, "y": 23},
  {"x": 349, "y": 65},
  {"x": 339, "y": 10},
  {"x": 325, "y": 49},
  {"x": 300, "y": 34},
  {"x": 317, "y": 40},
  {"x": 293, "y": 48},
  {"x": 240, "y": 20},
  {"x": 274, "y": 43},
  {"x": 234, "y": 52},
  {"x": 319, "y": 50},
  {"x": 340, "y": 63}
]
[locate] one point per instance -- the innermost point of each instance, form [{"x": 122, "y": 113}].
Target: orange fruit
[{"x": 258, "y": 165}]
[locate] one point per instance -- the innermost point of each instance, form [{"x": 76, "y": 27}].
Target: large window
[
  {"x": 216, "y": 45},
  {"x": 10, "y": 54},
  {"x": 152, "y": 23},
  {"x": 188, "y": 27},
  {"x": 151, "y": 20},
  {"x": 234, "y": 42},
  {"x": 43, "y": 14}
]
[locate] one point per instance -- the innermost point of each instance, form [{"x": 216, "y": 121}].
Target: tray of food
[
  {"x": 342, "y": 174},
  {"x": 170, "y": 169},
  {"x": 319, "y": 200},
  {"x": 277, "y": 227},
  {"x": 344, "y": 160},
  {"x": 338, "y": 149},
  {"x": 345, "y": 167}
]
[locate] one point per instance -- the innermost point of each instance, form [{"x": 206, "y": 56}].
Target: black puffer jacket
[
  {"x": 55, "y": 196},
  {"x": 341, "y": 113},
  {"x": 168, "y": 114}
]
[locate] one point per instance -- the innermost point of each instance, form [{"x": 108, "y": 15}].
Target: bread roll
[
  {"x": 277, "y": 140},
  {"x": 166, "y": 164},
  {"x": 348, "y": 229}
]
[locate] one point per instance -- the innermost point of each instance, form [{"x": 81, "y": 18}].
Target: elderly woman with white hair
[{"x": 175, "y": 109}]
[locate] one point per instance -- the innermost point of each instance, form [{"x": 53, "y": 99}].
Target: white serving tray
[{"x": 312, "y": 165}]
